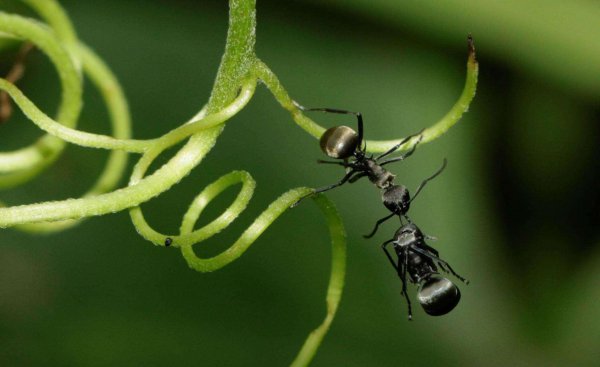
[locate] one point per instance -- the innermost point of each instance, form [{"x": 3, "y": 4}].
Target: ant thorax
[
  {"x": 419, "y": 267},
  {"x": 378, "y": 175}
]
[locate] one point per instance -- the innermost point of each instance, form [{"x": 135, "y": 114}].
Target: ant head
[
  {"x": 409, "y": 233},
  {"x": 340, "y": 142},
  {"x": 438, "y": 295},
  {"x": 397, "y": 199}
]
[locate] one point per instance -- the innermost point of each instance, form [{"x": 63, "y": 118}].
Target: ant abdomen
[
  {"x": 339, "y": 142},
  {"x": 438, "y": 295}
]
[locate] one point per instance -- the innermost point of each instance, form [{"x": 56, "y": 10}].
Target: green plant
[{"x": 236, "y": 80}]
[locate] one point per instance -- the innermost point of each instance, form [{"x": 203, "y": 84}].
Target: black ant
[
  {"x": 342, "y": 142},
  {"x": 397, "y": 199},
  {"x": 437, "y": 295}
]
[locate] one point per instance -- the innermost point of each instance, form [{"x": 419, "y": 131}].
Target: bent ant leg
[
  {"x": 403, "y": 278},
  {"x": 428, "y": 179},
  {"x": 433, "y": 251},
  {"x": 401, "y": 269},
  {"x": 357, "y": 177},
  {"x": 387, "y": 253},
  {"x": 430, "y": 249},
  {"x": 334, "y": 110},
  {"x": 377, "y": 225},
  {"x": 326, "y": 188},
  {"x": 321, "y": 161},
  {"x": 395, "y": 147},
  {"x": 435, "y": 258}
]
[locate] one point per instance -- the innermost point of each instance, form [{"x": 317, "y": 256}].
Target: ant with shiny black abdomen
[
  {"x": 342, "y": 142},
  {"x": 437, "y": 295}
]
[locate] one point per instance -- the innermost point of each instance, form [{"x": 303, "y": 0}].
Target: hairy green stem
[
  {"x": 103, "y": 79},
  {"x": 47, "y": 148},
  {"x": 57, "y": 19},
  {"x": 140, "y": 190},
  {"x": 239, "y": 53},
  {"x": 234, "y": 67},
  {"x": 336, "y": 280},
  {"x": 119, "y": 141}
]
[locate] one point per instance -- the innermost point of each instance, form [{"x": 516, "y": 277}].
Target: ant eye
[
  {"x": 438, "y": 295},
  {"x": 339, "y": 142}
]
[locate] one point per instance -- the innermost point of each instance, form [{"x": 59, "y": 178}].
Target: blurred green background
[{"x": 516, "y": 211}]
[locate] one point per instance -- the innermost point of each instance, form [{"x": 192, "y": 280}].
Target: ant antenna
[
  {"x": 342, "y": 112},
  {"x": 428, "y": 179},
  {"x": 377, "y": 225}
]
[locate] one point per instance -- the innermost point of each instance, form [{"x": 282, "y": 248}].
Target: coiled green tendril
[{"x": 236, "y": 80}]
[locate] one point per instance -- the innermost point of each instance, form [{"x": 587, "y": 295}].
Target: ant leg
[
  {"x": 433, "y": 257},
  {"x": 331, "y": 162},
  {"x": 466, "y": 281},
  {"x": 383, "y": 247},
  {"x": 334, "y": 110},
  {"x": 377, "y": 225},
  {"x": 400, "y": 158},
  {"x": 326, "y": 188},
  {"x": 430, "y": 249},
  {"x": 435, "y": 252},
  {"x": 403, "y": 278},
  {"x": 401, "y": 268},
  {"x": 395, "y": 147},
  {"x": 407, "y": 302},
  {"x": 402, "y": 142},
  {"x": 345, "y": 179},
  {"x": 443, "y": 267},
  {"x": 357, "y": 177},
  {"x": 428, "y": 179}
]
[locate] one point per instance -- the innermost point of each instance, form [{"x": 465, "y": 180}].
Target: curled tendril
[
  {"x": 379, "y": 146},
  {"x": 23, "y": 164},
  {"x": 235, "y": 84}
]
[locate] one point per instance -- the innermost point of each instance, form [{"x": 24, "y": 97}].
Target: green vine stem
[
  {"x": 23, "y": 164},
  {"x": 336, "y": 280},
  {"x": 378, "y": 146},
  {"x": 114, "y": 168},
  {"x": 234, "y": 86},
  {"x": 28, "y": 162}
]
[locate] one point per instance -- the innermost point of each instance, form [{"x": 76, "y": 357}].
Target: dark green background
[{"x": 516, "y": 211}]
